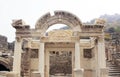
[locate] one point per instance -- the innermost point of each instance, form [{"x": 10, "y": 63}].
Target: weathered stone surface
[
  {"x": 12, "y": 74},
  {"x": 6, "y": 50},
  {"x": 35, "y": 54},
  {"x": 3, "y": 43}
]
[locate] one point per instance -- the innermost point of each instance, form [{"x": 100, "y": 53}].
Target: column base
[
  {"x": 78, "y": 72},
  {"x": 36, "y": 74},
  {"x": 103, "y": 72},
  {"x": 12, "y": 74}
]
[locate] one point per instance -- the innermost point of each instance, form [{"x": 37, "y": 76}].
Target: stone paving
[{"x": 3, "y": 73}]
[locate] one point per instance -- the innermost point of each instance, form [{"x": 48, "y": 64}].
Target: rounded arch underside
[
  {"x": 6, "y": 65},
  {"x": 3, "y": 68},
  {"x": 59, "y": 17}
]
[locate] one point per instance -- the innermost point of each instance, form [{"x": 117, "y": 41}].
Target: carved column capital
[
  {"x": 101, "y": 38},
  {"x": 18, "y": 39},
  {"x": 76, "y": 33}
]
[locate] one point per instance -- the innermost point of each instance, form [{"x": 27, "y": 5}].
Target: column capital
[
  {"x": 76, "y": 33},
  {"x": 77, "y": 39},
  {"x": 18, "y": 39},
  {"x": 101, "y": 38}
]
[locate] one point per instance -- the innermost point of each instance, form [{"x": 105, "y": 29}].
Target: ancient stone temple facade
[{"x": 78, "y": 52}]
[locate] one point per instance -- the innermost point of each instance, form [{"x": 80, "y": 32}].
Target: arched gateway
[
  {"x": 59, "y": 17},
  {"x": 78, "y": 52}
]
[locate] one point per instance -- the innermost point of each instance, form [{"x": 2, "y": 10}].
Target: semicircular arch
[{"x": 59, "y": 17}]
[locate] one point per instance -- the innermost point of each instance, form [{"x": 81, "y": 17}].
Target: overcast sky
[{"x": 31, "y": 10}]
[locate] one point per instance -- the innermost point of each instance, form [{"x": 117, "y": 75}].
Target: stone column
[
  {"x": 78, "y": 70},
  {"x": 17, "y": 56},
  {"x": 102, "y": 70},
  {"x": 41, "y": 59}
]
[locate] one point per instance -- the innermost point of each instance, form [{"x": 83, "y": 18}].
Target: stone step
[
  {"x": 114, "y": 75},
  {"x": 114, "y": 70}
]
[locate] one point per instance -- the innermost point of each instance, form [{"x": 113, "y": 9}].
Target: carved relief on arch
[{"x": 59, "y": 17}]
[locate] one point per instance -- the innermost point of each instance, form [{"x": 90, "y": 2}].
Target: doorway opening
[{"x": 60, "y": 63}]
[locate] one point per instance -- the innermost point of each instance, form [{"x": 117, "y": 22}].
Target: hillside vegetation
[{"x": 112, "y": 22}]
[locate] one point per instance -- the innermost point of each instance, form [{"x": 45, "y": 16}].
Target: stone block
[
  {"x": 12, "y": 74},
  {"x": 104, "y": 72}
]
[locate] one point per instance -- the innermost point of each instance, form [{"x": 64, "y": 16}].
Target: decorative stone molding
[
  {"x": 61, "y": 17},
  {"x": 40, "y": 43}
]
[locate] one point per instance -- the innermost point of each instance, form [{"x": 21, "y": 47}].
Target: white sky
[{"x": 31, "y": 10}]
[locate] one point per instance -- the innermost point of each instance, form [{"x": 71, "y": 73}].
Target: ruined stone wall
[
  {"x": 6, "y": 61},
  {"x": 3, "y": 43},
  {"x": 11, "y": 46}
]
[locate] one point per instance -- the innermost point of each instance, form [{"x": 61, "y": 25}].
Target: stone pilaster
[
  {"x": 17, "y": 56},
  {"x": 102, "y": 70},
  {"x": 41, "y": 59}
]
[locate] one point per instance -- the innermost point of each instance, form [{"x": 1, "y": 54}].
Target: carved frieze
[
  {"x": 59, "y": 17},
  {"x": 60, "y": 35}
]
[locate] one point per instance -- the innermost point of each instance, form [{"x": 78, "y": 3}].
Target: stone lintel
[
  {"x": 28, "y": 33},
  {"x": 58, "y": 39}
]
